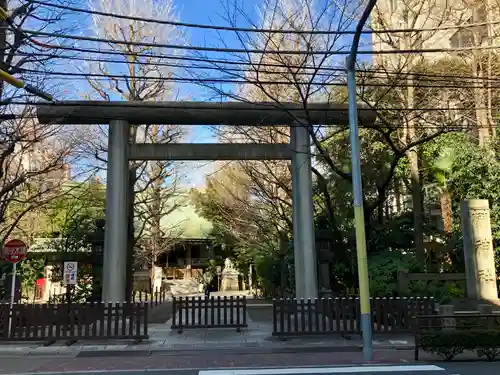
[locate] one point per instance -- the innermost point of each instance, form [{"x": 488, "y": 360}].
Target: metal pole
[
  {"x": 359, "y": 217},
  {"x": 12, "y": 295}
]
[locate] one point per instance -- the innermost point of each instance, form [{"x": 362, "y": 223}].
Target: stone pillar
[
  {"x": 478, "y": 250},
  {"x": 324, "y": 258},
  {"x": 488, "y": 321},
  {"x": 303, "y": 216},
  {"x": 48, "y": 283},
  {"x": 250, "y": 279},
  {"x": 157, "y": 278},
  {"x": 115, "y": 240},
  {"x": 297, "y": 254}
]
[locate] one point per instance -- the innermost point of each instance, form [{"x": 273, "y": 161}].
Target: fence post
[
  {"x": 487, "y": 310},
  {"x": 146, "y": 311},
  {"x": 417, "y": 336},
  {"x": 448, "y": 322}
]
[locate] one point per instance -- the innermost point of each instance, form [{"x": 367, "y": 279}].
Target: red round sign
[{"x": 14, "y": 251}]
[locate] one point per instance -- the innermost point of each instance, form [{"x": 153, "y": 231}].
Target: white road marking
[{"x": 324, "y": 370}]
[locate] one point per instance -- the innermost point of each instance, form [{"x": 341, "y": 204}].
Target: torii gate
[{"x": 119, "y": 115}]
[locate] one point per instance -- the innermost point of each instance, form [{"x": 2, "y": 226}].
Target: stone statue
[
  {"x": 228, "y": 265},
  {"x": 230, "y": 274}
]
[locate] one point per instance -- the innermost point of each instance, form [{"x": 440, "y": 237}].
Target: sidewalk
[
  {"x": 254, "y": 339},
  {"x": 190, "y": 361}
]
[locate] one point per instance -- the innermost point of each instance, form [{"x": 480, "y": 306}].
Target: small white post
[{"x": 12, "y": 295}]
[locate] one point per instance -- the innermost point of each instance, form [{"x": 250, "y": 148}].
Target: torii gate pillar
[
  {"x": 115, "y": 240},
  {"x": 306, "y": 282}
]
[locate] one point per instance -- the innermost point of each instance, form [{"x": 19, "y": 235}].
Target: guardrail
[{"x": 451, "y": 335}]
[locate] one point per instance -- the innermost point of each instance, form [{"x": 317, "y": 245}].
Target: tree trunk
[
  {"x": 480, "y": 101},
  {"x": 3, "y": 42},
  {"x": 415, "y": 183},
  {"x": 446, "y": 212}
]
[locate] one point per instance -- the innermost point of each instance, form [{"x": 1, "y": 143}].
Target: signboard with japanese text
[{"x": 70, "y": 273}]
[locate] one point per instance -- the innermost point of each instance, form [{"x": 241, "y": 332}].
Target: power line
[
  {"x": 253, "y": 51},
  {"x": 219, "y": 61},
  {"x": 256, "y": 30},
  {"x": 69, "y": 75},
  {"x": 384, "y": 73}
]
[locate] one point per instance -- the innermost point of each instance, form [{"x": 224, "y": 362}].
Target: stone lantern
[
  {"x": 324, "y": 258},
  {"x": 96, "y": 240}
]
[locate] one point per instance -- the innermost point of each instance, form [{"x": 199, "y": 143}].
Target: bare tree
[
  {"x": 313, "y": 72},
  {"x": 274, "y": 77},
  {"x": 34, "y": 158},
  {"x": 410, "y": 89},
  {"x": 157, "y": 181}
]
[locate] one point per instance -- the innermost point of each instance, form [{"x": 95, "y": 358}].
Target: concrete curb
[{"x": 124, "y": 350}]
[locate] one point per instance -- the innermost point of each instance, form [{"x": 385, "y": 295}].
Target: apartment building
[
  {"x": 436, "y": 20},
  {"x": 437, "y": 23}
]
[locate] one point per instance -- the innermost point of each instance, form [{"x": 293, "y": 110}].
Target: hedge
[{"x": 448, "y": 344}]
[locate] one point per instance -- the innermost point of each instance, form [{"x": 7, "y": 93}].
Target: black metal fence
[
  {"x": 213, "y": 312},
  {"x": 72, "y": 322},
  {"x": 293, "y": 317}
]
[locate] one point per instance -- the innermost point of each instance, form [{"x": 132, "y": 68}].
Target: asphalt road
[{"x": 474, "y": 368}]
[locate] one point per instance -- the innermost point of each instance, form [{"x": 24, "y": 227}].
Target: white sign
[{"x": 70, "y": 273}]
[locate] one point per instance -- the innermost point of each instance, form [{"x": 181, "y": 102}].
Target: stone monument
[
  {"x": 229, "y": 277},
  {"x": 478, "y": 250}
]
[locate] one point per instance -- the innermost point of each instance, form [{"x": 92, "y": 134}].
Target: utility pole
[{"x": 357, "y": 187}]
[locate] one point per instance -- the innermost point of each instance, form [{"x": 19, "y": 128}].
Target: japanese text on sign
[{"x": 70, "y": 275}]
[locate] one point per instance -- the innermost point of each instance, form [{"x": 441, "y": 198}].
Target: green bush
[{"x": 448, "y": 344}]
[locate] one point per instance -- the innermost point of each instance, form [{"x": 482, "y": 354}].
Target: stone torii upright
[{"x": 120, "y": 115}]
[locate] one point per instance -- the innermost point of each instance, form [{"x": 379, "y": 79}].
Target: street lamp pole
[{"x": 359, "y": 218}]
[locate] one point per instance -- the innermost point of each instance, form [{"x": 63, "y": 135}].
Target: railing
[
  {"x": 214, "y": 312},
  {"x": 153, "y": 299},
  {"x": 72, "y": 322},
  {"x": 450, "y": 333},
  {"x": 293, "y": 317},
  {"x": 199, "y": 261}
]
